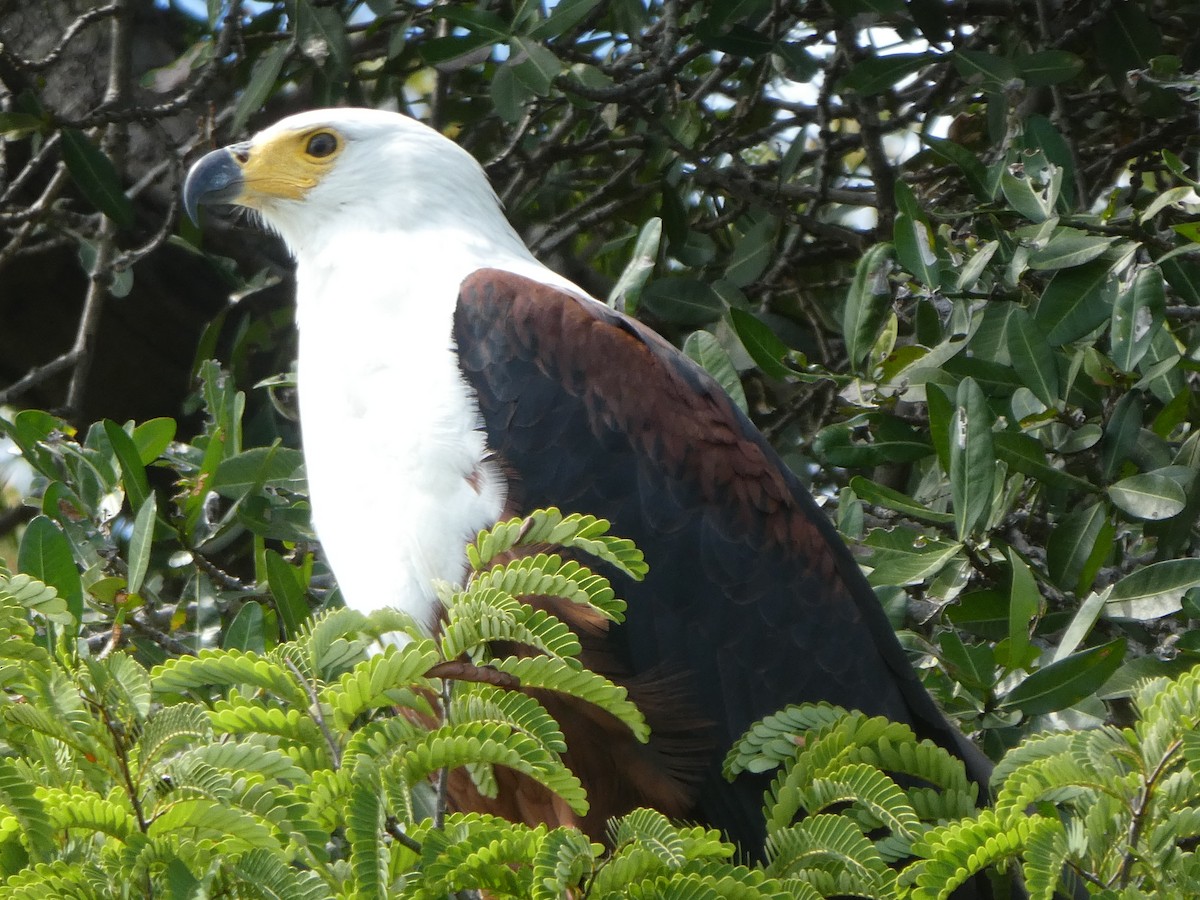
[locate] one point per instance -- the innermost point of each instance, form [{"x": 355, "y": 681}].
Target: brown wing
[{"x": 752, "y": 601}]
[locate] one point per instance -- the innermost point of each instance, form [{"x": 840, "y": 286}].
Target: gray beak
[{"x": 215, "y": 178}]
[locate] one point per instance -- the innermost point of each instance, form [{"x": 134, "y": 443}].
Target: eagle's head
[{"x": 346, "y": 169}]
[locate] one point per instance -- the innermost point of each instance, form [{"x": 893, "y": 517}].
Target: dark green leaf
[
  {"x": 1121, "y": 433},
  {"x": 682, "y": 301},
  {"x": 1066, "y": 682},
  {"x": 133, "y": 471},
  {"x": 752, "y": 253},
  {"x": 1025, "y": 602},
  {"x": 258, "y": 466},
  {"x": 140, "y": 543},
  {"x": 477, "y": 21},
  {"x": 764, "y": 347},
  {"x": 536, "y": 66},
  {"x": 1137, "y": 314},
  {"x": 867, "y": 303},
  {"x": 1149, "y": 495},
  {"x": 45, "y": 553},
  {"x": 509, "y": 94},
  {"x": 1046, "y": 67},
  {"x": 565, "y": 16},
  {"x": 972, "y": 458},
  {"x": 870, "y": 440},
  {"x": 287, "y": 587},
  {"x": 246, "y": 631},
  {"x": 627, "y": 292},
  {"x": 916, "y": 250},
  {"x": 264, "y": 78},
  {"x": 905, "y": 556},
  {"x": 152, "y": 438},
  {"x": 443, "y": 49},
  {"x": 707, "y": 352},
  {"x": 1069, "y": 247},
  {"x": 1023, "y": 454},
  {"x": 931, "y": 18},
  {"x": 881, "y": 495},
  {"x": 1078, "y": 545},
  {"x": 972, "y": 665},
  {"x": 94, "y": 175},
  {"x": 321, "y": 33},
  {"x": 1153, "y": 591},
  {"x": 1076, "y": 301},
  {"x": 992, "y": 73},
  {"x": 17, "y": 125},
  {"x": 880, "y": 73},
  {"x": 1032, "y": 358}
]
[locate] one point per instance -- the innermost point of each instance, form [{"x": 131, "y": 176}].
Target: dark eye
[{"x": 321, "y": 144}]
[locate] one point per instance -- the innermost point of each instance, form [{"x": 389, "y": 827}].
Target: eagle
[{"x": 475, "y": 384}]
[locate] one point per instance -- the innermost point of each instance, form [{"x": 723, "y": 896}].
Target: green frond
[
  {"x": 238, "y": 716},
  {"x": 262, "y": 875},
  {"x": 932, "y": 805},
  {"x": 832, "y": 845},
  {"x": 60, "y": 879},
  {"x": 798, "y": 889},
  {"x": 200, "y": 819},
  {"x": 86, "y": 810},
  {"x": 771, "y": 742},
  {"x": 227, "y": 668},
  {"x": 490, "y": 856},
  {"x": 650, "y": 831},
  {"x": 172, "y": 730},
  {"x": 365, "y": 819},
  {"x": 1046, "y": 852},
  {"x": 955, "y": 852},
  {"x": 325, "y": 796},
  {"x": 495, "y": 744},
  {"x": 17, "y": 795},
  {"x": 40, "y": 733},
  {"x": 564, "y": 858},
  {"x": 330, "y": 643},
  {"x": 704, "y": 886},
  {"x": 34, "y": 596},
  {"x": 369, "y": 685},
  {"x": 863, "y": 786},
  {"x": 485, "y": 703},
  {"x": 549, "y": 575},
  {"x": 557, "y": 675},
  {"x": 1169, "y": 710},
  {"x": 1057, "y": 778},
  {"x": 122, "y": 685},
  {"x": 476, "y": 618},
  {"x": 247, "y": 759},
  {"x": 1035, "y": 747},
  {"x": 549, "y": 526}
]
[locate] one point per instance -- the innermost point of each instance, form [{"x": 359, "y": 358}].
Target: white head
[{"x": 328, "y": 171}]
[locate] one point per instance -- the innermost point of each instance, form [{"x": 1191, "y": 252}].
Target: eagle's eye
[{"x": 321, "y": 144}]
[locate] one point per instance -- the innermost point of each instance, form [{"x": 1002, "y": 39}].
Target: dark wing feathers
[{"x": 751, "y": 595}]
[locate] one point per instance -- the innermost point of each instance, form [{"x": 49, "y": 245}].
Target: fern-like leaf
[
  {"x": 369, "y": 684},
  {"x": 262, "y": 875},
  {"x": 549, "y": 575},
  {"x": 18, "y": 797},
  {"x": 955, "y": 852},
  {"x": 771, "y": 742},
  {"x": 549, "y": 526},
  {"x": 564, "y": 858},
  {"x": 864, "y": 786},
  {"x": 365, "y": 819},
  {"x": 557, "y": 675},
  {"x": 484, "y": 703},
  {"x": 227, "y": 668},
  {"x": 831, "y": 844},
  {"x": 87, "y": 811},
  {"x": 1046, "y": 852},
  {"x": 35, "y": 596}
]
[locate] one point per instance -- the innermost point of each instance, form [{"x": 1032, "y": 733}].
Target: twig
[
  {"x": 392, "y": 827},
  {"x": 36, "y": 376},
  {"x": 85, "y": 19}
]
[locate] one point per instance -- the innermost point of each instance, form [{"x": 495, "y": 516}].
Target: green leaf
[
  {"x": 880, "y": 73},
  {"x": 1064, "y": 683},
  {"x": 1069, "y": 247},
  {"x": 1031, "y": 189},
  {"x": 888, "y": 440},
  {"x": 565, "y": 16},
  {"x": 287, "y": 587},
  {"x": 704, "y": 349},
  {"x": 45, "y": 553},
  {"x": 992, "y": 73},
  {"x": 880, "y": 495},
  {"x": 250, "y": 470},
  {"x": 246, "y": 631},
  {"x": 1078, "y": 545},
  {"x": 478, "y": 21},
  {"x": 133, "y": 471},
  {"x": 95, "y": 176},
  {"x": 1153, "y": 591},
  {"x": 903, "y": 556},
  {"x": 262, "y": 82},
  {"x": 973, "y": 665},
  {"x": 764, "y": 347},
  {"x": 916, "y": 250},
  {"x": 321, "y": 35},
  {"x": 1076, "y": 301},
  {"x": 1149, "y": 495},
  {"x": 509, "y": 94},
  {"x": 867, "y": 303},
  {"x": 1032, "y": 357},
  {"x": 752, "y": 253},
  {"x": 152, "y": 438},
  {"x": 444, "y": 49},
  {"x": 972, "y": 458},
  {"x": 536, "y": 66},
  {"x": 1025, "y": 601},
  {"x": 682, "y": 301},
  {"x": 627, "y": 292},
  {"x": 1137, "y": 315},
  {"x": 1046, "y": 67},
  {"x": 140, "y": 543}
]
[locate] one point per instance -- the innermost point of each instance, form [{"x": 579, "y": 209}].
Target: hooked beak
[{"x": 215, "y": 178}]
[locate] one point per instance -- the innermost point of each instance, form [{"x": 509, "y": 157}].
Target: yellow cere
[{"x": 286, "y": 166}]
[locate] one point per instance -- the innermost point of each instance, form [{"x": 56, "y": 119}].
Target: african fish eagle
[{"x": 475, "y": 384}]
